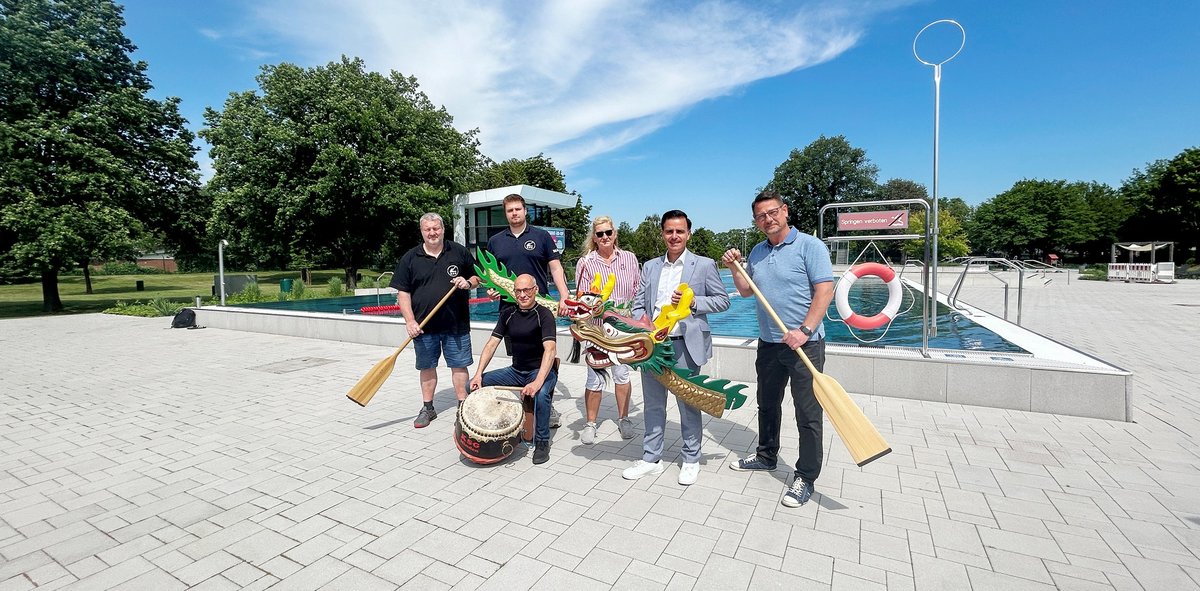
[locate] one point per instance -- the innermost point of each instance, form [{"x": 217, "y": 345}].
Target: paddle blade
[
  {"x": 862, "y": 440},
  {"x": 369, "y": 384}
]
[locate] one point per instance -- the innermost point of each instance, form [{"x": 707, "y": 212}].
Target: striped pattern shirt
[{"x": 624, "y": 265}]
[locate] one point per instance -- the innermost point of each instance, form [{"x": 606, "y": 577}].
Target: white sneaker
[
  {"x": 688, "y": 473},
  {"x": 588, "y": 435},
  {"x": 555, "y": 419},
  {"x": 642, "y": 468}
]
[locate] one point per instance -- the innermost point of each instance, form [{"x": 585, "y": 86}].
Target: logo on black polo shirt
[
  {"x": 452, "y": 270},
  {"x": 530, "y": 245}
]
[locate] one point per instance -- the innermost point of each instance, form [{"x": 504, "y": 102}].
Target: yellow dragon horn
[
  {"x": 672, "y": 313},
  {"x": 610, "y": 283},
  {"x": 596, "y": 284}
]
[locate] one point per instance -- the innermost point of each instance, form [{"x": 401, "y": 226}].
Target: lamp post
[
  {"x": 221, "y": 268},
  {"x": 937, "y": 122}
]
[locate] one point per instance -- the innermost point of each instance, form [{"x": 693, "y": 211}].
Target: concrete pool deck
[{"x": 137, "y": 457}]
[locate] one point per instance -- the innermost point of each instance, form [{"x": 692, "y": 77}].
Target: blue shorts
[{"x": 455, "y": 347}]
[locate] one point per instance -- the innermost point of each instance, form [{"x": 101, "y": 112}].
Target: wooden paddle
[
  {"x": 860, "y": 436},
  {"x": 369, "y": 384}
]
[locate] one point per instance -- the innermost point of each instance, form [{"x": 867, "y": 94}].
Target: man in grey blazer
[{"x": 691, "y": 341}]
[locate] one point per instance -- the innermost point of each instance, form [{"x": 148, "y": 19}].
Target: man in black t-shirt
[
  {"x": 528, "y": 329},
  {"x": 525, "y": 248},
  {"x": 424, "y": 276}
]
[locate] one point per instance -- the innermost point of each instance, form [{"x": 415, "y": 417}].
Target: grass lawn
[{"x": 26, "y": 300}]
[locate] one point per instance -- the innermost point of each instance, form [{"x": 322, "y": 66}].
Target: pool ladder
[{"x": 952, "y": 298}]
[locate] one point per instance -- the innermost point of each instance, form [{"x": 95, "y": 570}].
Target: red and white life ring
[{"x": 842, "y": 292}]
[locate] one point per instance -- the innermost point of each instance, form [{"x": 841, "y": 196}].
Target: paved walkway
[{"x": 137, "y": 457}]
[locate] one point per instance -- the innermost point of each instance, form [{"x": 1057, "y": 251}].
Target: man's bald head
[{"x": 525, "y": 289}]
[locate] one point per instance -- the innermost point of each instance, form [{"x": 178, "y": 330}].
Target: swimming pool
[{"x": 867, "y": 296}]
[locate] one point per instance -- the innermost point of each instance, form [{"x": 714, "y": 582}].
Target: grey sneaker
[
  {"x": 424, "y": 417},
  {"x": 588, "y": 435},
  {"x": 751, "y": 463},
  {"x": 555, "y": 419},
  {"x": 625, "y": 426},
  {"x": 798, "y": 494}
]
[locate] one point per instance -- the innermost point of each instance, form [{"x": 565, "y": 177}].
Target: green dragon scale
[{"x": 608, "y": 336}]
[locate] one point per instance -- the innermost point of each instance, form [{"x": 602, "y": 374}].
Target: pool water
[{"x": 867, "y": 296}]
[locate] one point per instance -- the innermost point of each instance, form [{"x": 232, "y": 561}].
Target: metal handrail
[
  {"x": 913, "y": 262},
  {"x": 377, "y": 288},
  {"x": 952, "y": 298}
]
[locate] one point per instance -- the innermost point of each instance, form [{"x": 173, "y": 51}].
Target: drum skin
[{"x": 488, "y": 426}]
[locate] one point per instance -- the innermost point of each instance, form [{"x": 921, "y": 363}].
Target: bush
[
  {"x": 252, "y": 293},
  {"x": 118, "y": 268},
  {"x": 336, "y": 288},
  {"x": 152, "y": 309},
  {"x": 1094, "y": 273},
  {"x": 298, "y": 290}
]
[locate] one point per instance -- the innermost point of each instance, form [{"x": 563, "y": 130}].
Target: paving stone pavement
[{"x": 139, "y": 457}]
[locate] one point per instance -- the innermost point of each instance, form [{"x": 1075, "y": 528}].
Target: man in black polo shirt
[
  {"x": 524, "y": 248},
  {"x": 527, "y": 249},
  {"x": 528, "y": 329},
  {"x": 424, "y": 275}
]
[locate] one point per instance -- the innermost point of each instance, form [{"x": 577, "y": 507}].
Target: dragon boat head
[
  {"x": 621, "y": 339},
  {"x": 590, "y": 303}
]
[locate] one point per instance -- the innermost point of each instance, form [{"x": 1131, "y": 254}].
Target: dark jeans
[
  {"x": 776, "y": 364},
  {"x": 541, "y": 401}
]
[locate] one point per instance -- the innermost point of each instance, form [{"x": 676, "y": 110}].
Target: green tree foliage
[
  {"x": 826, "y": 171},
  {"x": 89, "y": 165},
  {"x": 952, "y": 237},
  {"x": 1165, "y": 199},
  {"x": 332, "y": 161},
  {"x": 902, "y": 189},
  {"x": 742, "y": 239},
  {"x": 1035, "y": 218},
  {"x": 646, "y": 241},
  {"x": 537, "y": 171},
  {"x": 704, "y": 242}
]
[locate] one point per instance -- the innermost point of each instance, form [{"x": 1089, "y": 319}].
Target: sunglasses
[{"x": 603, "y": 233}]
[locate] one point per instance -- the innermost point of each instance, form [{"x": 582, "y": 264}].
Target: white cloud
[{"x": 573, "y": 79}]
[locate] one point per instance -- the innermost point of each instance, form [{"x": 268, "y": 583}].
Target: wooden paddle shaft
[{"x": 369, "y": 384}]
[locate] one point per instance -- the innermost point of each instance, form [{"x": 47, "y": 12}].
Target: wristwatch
[{"x": 806, "y": 330}]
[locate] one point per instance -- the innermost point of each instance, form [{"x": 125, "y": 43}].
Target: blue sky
[{"x": 649, "y": 106}]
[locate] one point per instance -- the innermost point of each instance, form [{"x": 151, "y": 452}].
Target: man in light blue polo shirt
[{"x": 793, "y": 272}]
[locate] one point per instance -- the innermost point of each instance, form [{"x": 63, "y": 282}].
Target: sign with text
[
  {"x": 560, "y": 237},
  {"x": 873, "y": 220}
]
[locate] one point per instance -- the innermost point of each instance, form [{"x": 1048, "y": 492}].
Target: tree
[
  {"x": 88, "y": 163},
  {"x": 1165, "y": 201},
  {"x": 537, "y": 171},
  {"x": 333, "y": 159},
  {"x": 1179, "y": 196},
  {"x": 826, "y": 171},
  {"x": 704, "y": 242},
  {"x": 742, "y": 239},
  {"x": 578, "y": 223},
  {"x": 1036, "y": 218},
  {"x": 645, "y": 242},
  {"x": 902, "y": 189},
  {"x": 952, "y": 237}
]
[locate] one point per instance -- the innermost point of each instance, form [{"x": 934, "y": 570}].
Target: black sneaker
[
  {"x": 798, "y": 494},
  {"x": 424, "y": 417},
  {"x": 751, "y": 463},
  {"x": 541, "y": 452}
]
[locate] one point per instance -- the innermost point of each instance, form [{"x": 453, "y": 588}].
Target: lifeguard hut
[{"x": 1154, "y": 271}]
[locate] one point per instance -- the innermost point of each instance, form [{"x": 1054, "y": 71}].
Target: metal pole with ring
[{"x": 937, "y": 123}]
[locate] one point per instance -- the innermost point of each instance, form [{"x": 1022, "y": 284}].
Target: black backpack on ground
[{"x": 186, "y": 318}]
